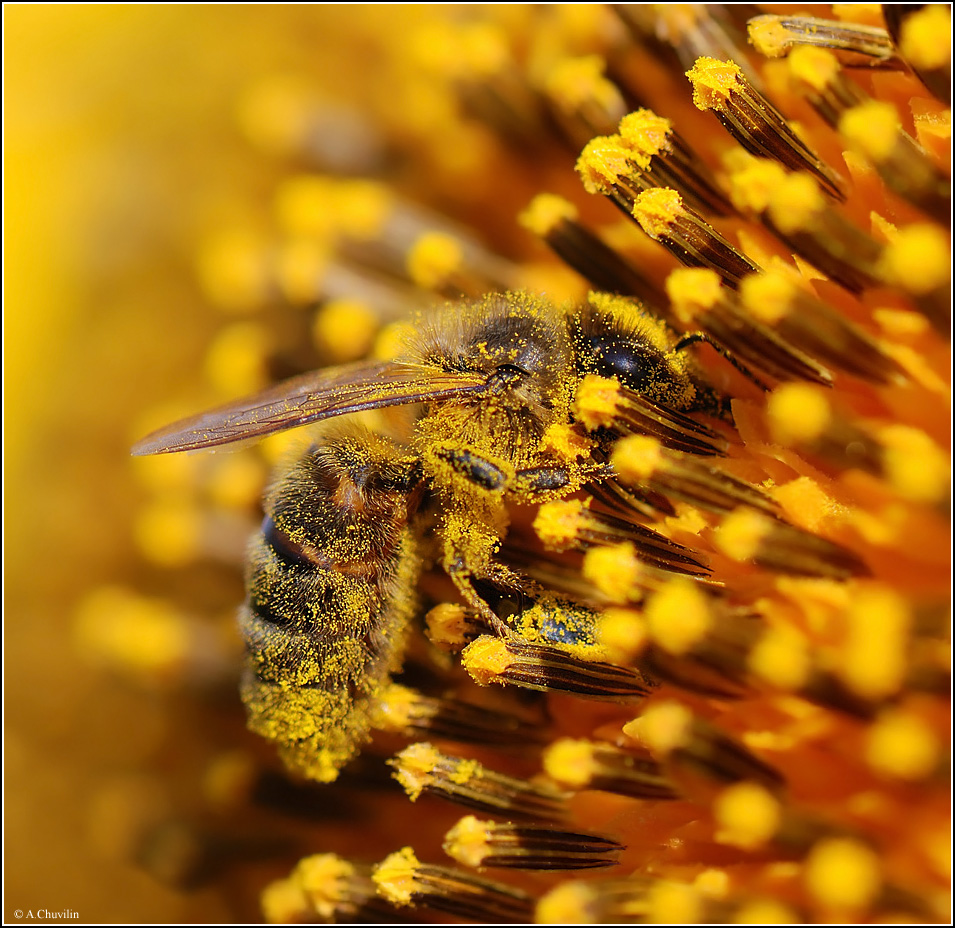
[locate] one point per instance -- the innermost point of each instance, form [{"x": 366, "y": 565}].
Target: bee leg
[
  {"x": 694, "y": 338},
  {"x": 558, "y": 479}
]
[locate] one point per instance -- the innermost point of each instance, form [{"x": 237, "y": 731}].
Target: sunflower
[{"x": 755, "y": 725}]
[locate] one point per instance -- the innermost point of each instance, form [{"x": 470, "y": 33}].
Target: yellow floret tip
[
  {"x": 395, "y": 876},
  {"x": 768, "y": 297},
  {"x": 769, "y": 36},
  {"x": 570, "y": 762},
  {"x": 323, "y": 877},
  {"x": 575, "y": 82},
  {"x": 645, "y": 133},
  {"x": 637, "y": 457},
  {"x": 567, "y": 904},
  {"x": 915, "y": 466},
  {"x": 433, "y": 258},
  {"x": 467, "y": 841},
  {"x": 673, "y": 904},
  {"x": 902, "y": 745},
  {"x": 742, "y": 533},
  {"x": 748, "y": 816},
  {"x": 691, "y": 291},
  {"x": 545, "y": 212},
  {"x": 622, "y": 633},
  {"x": 656, "y": 210},
  {"x": 595, "y": 403},
  {"x": 926, "y": 39},
  {"x": 874, "y": 661},
  {"x": 678, "y": 616},
  {"x": 713, "y": 81},
  {"x": 798, "y": 413},
  {"x": 765, "y": 912},
  {"x": 843, "y": 873},
  {"x": 284, "y": 902},
  {"x": 602, "y": 163},
  {"x": 344, "y": 330},
  {"x": 872, "y": 128},
  {"x": 917, "y": 259},
  {"x": 558, "y": 523},
  {"x": 781, "y": 659},
  {"x": 663, "y": 728},
  {"x": 614, "y": 569},
  {"x": 753, "y": 184},
  {"x": 816, "y": 67},
  {"x": 795, "y": 203},
  {"x": 485, "y": 659}
]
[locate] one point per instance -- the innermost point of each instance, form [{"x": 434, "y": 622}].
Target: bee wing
[{"x": 310, "y": 398}]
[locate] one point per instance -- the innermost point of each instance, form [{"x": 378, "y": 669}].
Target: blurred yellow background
[{"x": 121, "y": 153}]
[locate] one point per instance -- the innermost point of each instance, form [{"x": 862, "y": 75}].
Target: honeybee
[{"x": 333, "y": 574}]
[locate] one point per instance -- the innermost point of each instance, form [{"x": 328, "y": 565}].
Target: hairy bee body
[
  {"x": 331, "y": 585},
  {"x": 332, "y": 578}
]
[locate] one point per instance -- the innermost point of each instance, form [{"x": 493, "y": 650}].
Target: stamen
[
  {"x": 662, "y": 214},
  {"x": 815, "y": 328},
  {"x": 554, "y": 219},
  {"x": 793, "y": 208},
  {"x": 451, "y": 626},
  {"x": 775, "y": 36},
  {"x": 404, "y": 881},
  {"x": 873, "y": 130},
  {"x": 698, "y": 755},
  {"x": 422, "y": 768},
  {"x": 754, "y": 122},
  {"x": 403, "y": 710},
  {"x": 566, "y": 524},
  {"x": 749, "y": 536},
  {"x": 698, "y": 300},
  {"x": 477, "y": 843},
  {"x": 661, "y": 158},
  {"x": 550, "y": 669},
  {"x": 601, "y": 402},
  {"x": 580, "y": 764},
  {"x": 588, "y": 103},
  {"x": 923, "y": 35}
]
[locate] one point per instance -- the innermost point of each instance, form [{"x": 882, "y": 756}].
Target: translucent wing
[{"x": 310, "y": 398}]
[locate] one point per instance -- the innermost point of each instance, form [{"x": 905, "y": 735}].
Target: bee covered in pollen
[{"x": 332, "y": 578}]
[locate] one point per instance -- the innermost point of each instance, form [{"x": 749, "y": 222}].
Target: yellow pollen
[
  {"x": 344, "y": 330},
  {"x": 901, "y": 745},
  {"x": 656, "y": 210},
  {"x": 595, "y": 402},
  {"x": 872, "y": 128},
  {"x": 545, "y": 212},
  {"x": 712, "y": 81},
  {"x": 644, "y": 132},
  {"x": 558, "y": 523},
  {"x": 915, "y": 466},
  {"x": 485, "y": 659},
  {"x": 842, "y": 873},
  {"x": 663, "y": 728},
  {"x": 614, "y": 570},
  {"x": 567, "y": 904},
  {"x": 797, "y": 413},
  {"x": 781, "y": 658},
  {"x": 602, "y": 162},
  {"x": 433, "y": 258},
  {"x": 416, "y": 770},
  {"x": 768, "y": 297},
  {"x": 874, "y": 660},
  {"x": 741, "y": 534},
  {"x": 678, "y": 616},
  {"x": 926, "y": 39},
  {"x": 917, "y": 259},
  {"x": 795, "y": 203},
  {"x": 323, "y": 878},
  {"x": 395, "y": 876},
  {"x": 691, "y": 291},
  {"x": 622, "y": 633},
  {"x": 673, "y": 904},
  {"x": 748, "y": 816},
  {"x": 637, "y": 457},
  {"x": 817, "y": 67},
  {"x": 570, "y": 762}
]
